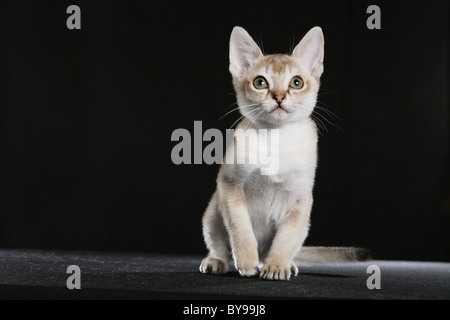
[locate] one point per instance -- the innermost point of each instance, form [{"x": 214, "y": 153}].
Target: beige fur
[{"x": 264, "y": 219}]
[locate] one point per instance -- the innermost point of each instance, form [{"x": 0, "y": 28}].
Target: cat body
[{"x": 264, "y": 219}]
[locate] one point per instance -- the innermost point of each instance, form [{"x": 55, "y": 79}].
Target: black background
[{"x": 86, "y": 118}]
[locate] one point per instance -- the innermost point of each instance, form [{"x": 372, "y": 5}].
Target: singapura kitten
[{"x": 265, "y": 218}]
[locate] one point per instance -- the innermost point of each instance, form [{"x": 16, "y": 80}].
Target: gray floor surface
[{"x": 31, "y": 274}]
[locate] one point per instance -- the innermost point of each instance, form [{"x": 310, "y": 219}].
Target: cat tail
[{"x": 332, "y": 254}]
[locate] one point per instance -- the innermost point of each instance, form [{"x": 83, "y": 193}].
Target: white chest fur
[
  {"x": 270, "y": 197},
  {"x": 296, "y": 158}
]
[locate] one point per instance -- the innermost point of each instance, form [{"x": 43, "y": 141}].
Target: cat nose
[{"x": 279, "y": 96}]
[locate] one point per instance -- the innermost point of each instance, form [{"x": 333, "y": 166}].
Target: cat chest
[{"x": 269, "y": 198}]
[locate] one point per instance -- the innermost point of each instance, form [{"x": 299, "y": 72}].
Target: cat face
[{"x": 276, "y": 89}]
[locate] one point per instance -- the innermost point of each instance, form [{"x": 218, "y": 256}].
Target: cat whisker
[
  {"x": 322, "y": 93},
  {"x": 230, "y": 106},
  {"x": 255, "y": 118},
  {"x": 235, "y": 109},
  {"x": 234, "y": 123},
  {"x": 330, "y": 113},
  {"x": 316, "y": 112},
  {"x": 319, "y": 124},
  {"x": 249, "y": 105},
  {"x": 244, "y": 115},
  {"x": 231, "y": 111},
  {"x": 244, "y": 105}
]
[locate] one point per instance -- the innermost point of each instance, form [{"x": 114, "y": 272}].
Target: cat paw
[
  {"x": 213, "y": 266},
  {"x": 294, "y": 269},
  {"x": 271, "y": 271},
  {"x": 248, "y": 269}
]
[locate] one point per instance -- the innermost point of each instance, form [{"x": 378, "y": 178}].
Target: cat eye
[
  {"x": 296, "y": 83},
  {"x": 260, "y": 83}
]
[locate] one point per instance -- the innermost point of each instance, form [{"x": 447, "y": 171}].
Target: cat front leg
[
  {"x": 237, "y": 221},
  {"x": 289, "y": 237},
  {"x": 216, "y": 239}
]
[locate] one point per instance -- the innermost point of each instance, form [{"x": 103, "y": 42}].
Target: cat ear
[
  {"x": 310, "y": 52},
  {"x": 243, "y": 51}
]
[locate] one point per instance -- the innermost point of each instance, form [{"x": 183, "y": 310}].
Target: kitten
[{"x": 265, "y": 218}]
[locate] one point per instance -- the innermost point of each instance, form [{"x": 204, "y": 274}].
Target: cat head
[{"x": 278, "y": 88}]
